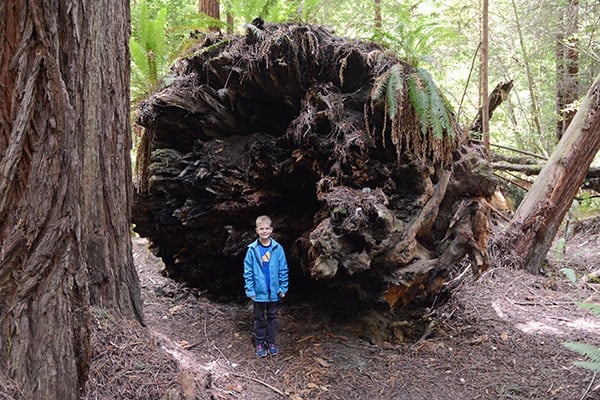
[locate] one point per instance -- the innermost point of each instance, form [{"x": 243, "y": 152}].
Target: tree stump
[{"x": 372, "y": 187}]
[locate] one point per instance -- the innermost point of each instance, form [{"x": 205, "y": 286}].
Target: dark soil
[{"x": 496, "y": 338}]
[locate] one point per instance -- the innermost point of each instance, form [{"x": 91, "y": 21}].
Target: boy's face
[{"x": 264, "y": 231}]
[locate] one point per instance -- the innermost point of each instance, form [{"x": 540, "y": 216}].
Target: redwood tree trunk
[
  {"x": 530, "y": 234},
  {"x": 64, "y": 187},
  {"x": 210, "y": 8}
]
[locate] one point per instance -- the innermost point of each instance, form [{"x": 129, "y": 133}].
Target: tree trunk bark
[
  {"x": 529, "y": 236},
  {"x": 64, "y": 187},
  {"x": 210, "y": 8},
  {"x": 498, "y": 95},
  {"x": 378, "y": 20}
]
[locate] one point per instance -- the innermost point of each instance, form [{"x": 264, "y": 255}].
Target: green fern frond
[
  {"x": 392, "y": 89},
  {"x": 430, "y": 105},
  {"x": 584, "y": 349},
  {"x": 148, "y": 45},
  {"x": 378, "y": 88},
  {"x": 592, "y": 366},
  {"x": 595, "y": 308},
  {"x": 420, "y": 101},
  {"x": 391, "y": 85},
  {"x": 138, "y": 56},
  {"x": 414, "y": 37}
]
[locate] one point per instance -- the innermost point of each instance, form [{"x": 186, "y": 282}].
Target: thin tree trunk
[
  {"x": 483, "y": 86},
  {"x": 377, "y": 15},
  {"x": 526, "y": 241},
  {"x": 535, "y": 108},
  {"x": 64, "y": 187},
  {"x": 567, "y": 67},
  {"x": 230, "y": 23}
]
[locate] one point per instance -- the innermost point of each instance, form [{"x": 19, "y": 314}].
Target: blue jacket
[{"x": 255, "y": 282}]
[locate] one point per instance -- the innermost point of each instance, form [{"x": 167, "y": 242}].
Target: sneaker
[
  {"x": 260, "y": 350},
  {"x": 273, "y": 350}
]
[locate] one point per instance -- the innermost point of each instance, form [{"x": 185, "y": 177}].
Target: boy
[{"x": 266, "y": 281}]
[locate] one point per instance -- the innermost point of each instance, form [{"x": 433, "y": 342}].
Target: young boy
[{"x": 266, "y": 281}]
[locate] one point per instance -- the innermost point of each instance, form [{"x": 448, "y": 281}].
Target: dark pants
[{"x": 265, "y": 319}]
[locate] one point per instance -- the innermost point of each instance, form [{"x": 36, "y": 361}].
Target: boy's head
[
  {"x": 263, "y": 220},
  {"x": 263, "y": 227}
]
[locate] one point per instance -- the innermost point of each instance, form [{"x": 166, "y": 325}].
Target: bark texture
[
  {"x": 498, "y": 95},
  {"x": 210, "y": 8},
  {"x": 322, "y": 134},
  {"x": 526, "y": 241},
  {"x": 64, "y": 187}
]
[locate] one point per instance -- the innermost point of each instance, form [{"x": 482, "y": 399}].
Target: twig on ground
[
  {"x": 588, "y": 388},
  {"x": 273, "y": 388}
]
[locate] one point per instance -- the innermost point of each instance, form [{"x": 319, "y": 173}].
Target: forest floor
[{"x": 499, "y": 337}]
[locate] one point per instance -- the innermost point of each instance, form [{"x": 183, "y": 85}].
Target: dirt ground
[{"x": 496, "y": 338}]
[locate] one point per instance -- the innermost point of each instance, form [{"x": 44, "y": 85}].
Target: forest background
[{"x": 548, "y": 49}]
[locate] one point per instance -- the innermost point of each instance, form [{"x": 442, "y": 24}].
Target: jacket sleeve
[
  {"x": 283, "y": 273},
  {"x": 249, "y": 284}
]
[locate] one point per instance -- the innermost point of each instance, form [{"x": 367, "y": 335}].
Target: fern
[
  {"x": 569, "y": 273},
  {"x": 429, "y": 104},
  {"x": 391, "y": 85},
  {"x": 393, "y": 88},
  {"x": 587, "y": 350},
  {"x": 413, "y": 35},
  {"x": 595, "y": 308},
  {"x": 419, "y": 100},
  {"x": 149, "y": 61}
]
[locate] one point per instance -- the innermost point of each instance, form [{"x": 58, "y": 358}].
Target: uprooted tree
[{"x": 372, "y": 187}]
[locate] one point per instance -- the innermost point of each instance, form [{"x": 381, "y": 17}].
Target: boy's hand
[{"x": 281, "y": 295}]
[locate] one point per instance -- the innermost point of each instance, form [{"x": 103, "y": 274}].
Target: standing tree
[
  {"x": 64, "y": 187},
  {"x": 210, "y": 8},
  {"x": 527, "y": 62},
  {"x": 378, "y": 21},
  {"x": 529, "y": 236},
  {"x": 567, "y": 66},
  {"x": 483, "y": 79}
]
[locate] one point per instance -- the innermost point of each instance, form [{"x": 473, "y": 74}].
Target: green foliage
[
  {"x": 430, "y": 105},
  {"x": 308, "y": 9},
  {"x": 390, "y": 86},
  {"x": 158, "y": 38},
  {"x": 559, "y": 250},
  {"x": 595, "y": 308},
  {"x": 587, "y": 350},
  {"x": 147, "y": 45},
  {"x": 443, "y": 34},
  {"x": 269, "y": 10},
  {"x": 570, "y": 274},
  {"x": 414, "y": 39}
]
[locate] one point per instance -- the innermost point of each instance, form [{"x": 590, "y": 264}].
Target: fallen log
[{"x": 372, "y": 187}]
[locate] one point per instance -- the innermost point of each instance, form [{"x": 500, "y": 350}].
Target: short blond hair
[{"x": 263, "y": 219}]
